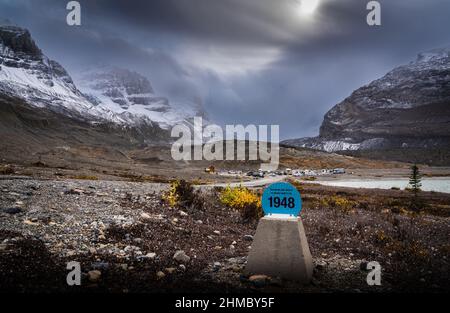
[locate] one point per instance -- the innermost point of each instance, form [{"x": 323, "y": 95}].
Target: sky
[{"x": 247, "y": 61}]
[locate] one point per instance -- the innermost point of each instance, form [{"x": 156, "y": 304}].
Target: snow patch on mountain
[{"x": 130, "y": 96}]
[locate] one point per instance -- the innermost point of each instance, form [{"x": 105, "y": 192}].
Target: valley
[{"x": 87, "y": 175}]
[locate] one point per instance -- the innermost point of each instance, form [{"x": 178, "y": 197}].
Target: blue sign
[{"x": 281, "y": 198}]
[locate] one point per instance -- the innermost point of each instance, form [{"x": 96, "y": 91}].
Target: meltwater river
[{"x": 438, "y": 184}]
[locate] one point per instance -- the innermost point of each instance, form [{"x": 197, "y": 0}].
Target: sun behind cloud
[{"x": 307, "y": 7}]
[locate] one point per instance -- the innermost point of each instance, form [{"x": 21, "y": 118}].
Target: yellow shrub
[
  {"x": 182, "y": 194},
  {"x": 340, "y": 203},
  {"x": 171, "y": 197},
  {"x": 242, "y": 199}
]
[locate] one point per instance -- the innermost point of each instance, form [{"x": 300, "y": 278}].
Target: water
[{"x": 441, "y": 184}]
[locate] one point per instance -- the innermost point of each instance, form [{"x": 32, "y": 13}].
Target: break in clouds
[{"x": 247, "y": 61}]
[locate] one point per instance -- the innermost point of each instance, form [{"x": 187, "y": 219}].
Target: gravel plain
[{"x": 128, "y": 240}]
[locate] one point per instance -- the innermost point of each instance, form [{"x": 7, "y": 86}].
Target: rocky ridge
[{"x": 407, "y": 108}]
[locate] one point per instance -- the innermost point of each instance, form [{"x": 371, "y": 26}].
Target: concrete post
[{"x": 280, "y": 249}]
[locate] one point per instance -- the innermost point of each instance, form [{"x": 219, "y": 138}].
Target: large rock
[
  {"x": 94, "y": 276},
  {"x": 181, "y": 257},
  {"x": 280, "y": 249},
  {"x": 13, "y": 210}
]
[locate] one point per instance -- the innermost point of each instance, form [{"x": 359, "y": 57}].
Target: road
[{"x": 250, "y": 184}]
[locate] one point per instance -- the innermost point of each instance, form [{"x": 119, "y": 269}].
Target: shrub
[
  {"x": 416, "y": 204},
  {"x": 339, "y": 203},
  {"x": 171, "y": 197},
  {"x": 416, "y": 251},
  {"x": 182, "y": 194},
  {"x": 85, "y": 177},
  {"x": 243, "y": 200},
  {"x": 7, "y": 170},
  {"x": 381, "y": 238}
]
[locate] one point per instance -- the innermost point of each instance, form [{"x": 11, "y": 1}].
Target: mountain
[
  {"x": 44, "y": 113},
  {"x": 131, "y": 96},
  {"x": 106, "y": 95},
  {"x": 409, "y": 108},
  {"x": 26, "y": 73}
]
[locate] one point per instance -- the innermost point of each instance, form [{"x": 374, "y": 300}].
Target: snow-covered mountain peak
[
  {"x": 106, "y": 94},
  {"x": 408, "y": 107},
  {"x": 131, "y": 96},
  {"x": 25, "y": 72}
]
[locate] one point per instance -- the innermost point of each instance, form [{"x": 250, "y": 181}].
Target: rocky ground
[{"x": 128, "y": 240}]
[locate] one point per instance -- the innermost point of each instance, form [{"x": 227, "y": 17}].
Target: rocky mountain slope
[
  {"x": 26, "y": 73},
  {"x": 407, "y": 108},
  {"x": 115, "y": 96},
  {"x": 131, "y": 96}
]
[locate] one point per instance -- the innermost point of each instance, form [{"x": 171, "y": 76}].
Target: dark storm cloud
[{"x": 251, "y": 61}]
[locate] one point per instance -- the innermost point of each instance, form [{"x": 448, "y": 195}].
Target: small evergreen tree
[{"x": 415, "y": 180}]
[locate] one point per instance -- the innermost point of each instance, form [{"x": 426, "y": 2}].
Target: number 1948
[{"x": 276, "y": 202}]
